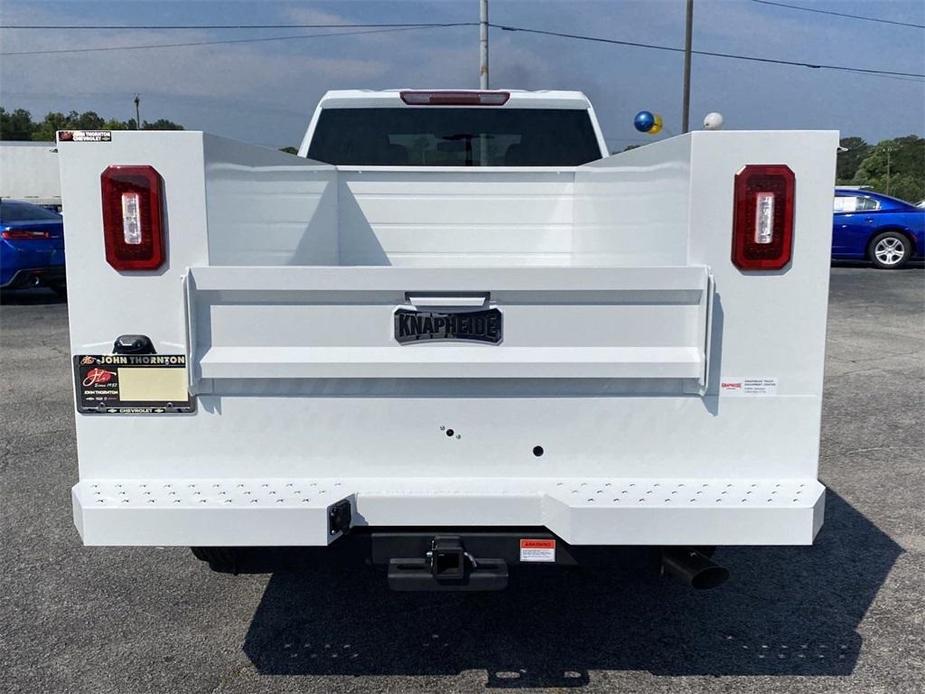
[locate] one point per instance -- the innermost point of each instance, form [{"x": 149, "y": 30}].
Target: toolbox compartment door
[{"x": 556, "y": 322}]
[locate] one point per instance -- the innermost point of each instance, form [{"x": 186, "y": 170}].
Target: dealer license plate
[{"x": 132, "y": 384}]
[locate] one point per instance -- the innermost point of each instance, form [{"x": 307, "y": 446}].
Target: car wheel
[{"x": 890, "y": 250}]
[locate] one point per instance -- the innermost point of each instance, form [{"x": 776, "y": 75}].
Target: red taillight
[
  {"x": 23, "y": 234},
  {"x": 132, "y": 217},
  {"x": 455, "y": 98},
  {"x": 762, "y": 231}
]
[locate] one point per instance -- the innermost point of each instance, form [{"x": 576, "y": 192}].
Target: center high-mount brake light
[
  {"x": 762, "y": 232},
  {"x": 470, "y": 98},
  {"x": 132, "y": 217}
]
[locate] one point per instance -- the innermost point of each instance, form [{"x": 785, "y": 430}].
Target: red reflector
[
  {"x": 23, "y": 234},
  {"x": 471, "y": 98},
  {"x": 762, "y": 232},
  {"x": 132, "y": 217}
]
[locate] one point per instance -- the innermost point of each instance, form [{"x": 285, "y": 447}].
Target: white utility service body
[{"x": 645, "y": 391}]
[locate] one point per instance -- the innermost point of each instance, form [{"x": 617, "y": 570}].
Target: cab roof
[{"x": 391, "y": 98}]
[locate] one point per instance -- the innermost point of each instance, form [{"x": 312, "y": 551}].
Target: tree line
[
  {"x": 895, "y": 167},
  {"x": 18, "y": 124}
]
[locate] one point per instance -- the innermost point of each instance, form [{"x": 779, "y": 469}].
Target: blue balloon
[{"x": 644, "y": 121}]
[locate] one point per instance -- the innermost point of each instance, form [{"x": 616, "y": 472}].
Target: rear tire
[
  {"x": 224, "y": 560},
  {"x": 889, "y": 250}
]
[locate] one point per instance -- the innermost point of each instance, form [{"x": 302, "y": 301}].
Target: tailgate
[{"x": 340, "y": 322}]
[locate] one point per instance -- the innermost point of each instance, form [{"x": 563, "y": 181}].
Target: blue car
[
  {"x": 31, "y": 247},
  {"x": 875, "y": 227}
]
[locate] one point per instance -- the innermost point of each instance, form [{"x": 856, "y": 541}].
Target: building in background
[{"x": 29, "y": 171}]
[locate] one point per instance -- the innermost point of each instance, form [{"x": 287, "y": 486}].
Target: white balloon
[{"x": 713, "y": 121}]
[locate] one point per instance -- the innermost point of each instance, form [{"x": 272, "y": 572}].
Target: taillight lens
[
  {"x": 762, "y": 234},
  {"x": 132, "y": 217},
  {"x": 24, "y": 234},
  {"x": 458, "y": 98}
]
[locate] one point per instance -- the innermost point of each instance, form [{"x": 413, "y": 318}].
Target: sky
[{"x": 264, "y": 92}]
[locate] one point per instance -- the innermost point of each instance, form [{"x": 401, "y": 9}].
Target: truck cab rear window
[{"x": 432, "y": 136}]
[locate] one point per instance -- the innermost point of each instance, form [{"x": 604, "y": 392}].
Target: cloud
[
  {"x": 270, "y": 88},
  {"x": 242, "y": 89},
  {"x": 229, "y": 71},
  {"x": 311, "y": 15}
]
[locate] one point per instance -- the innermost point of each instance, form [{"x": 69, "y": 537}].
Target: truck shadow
[
  {"x": 785, "y": 611},
  {"x": 30, "y": 297},
  {"x": 913, "y": 265}
]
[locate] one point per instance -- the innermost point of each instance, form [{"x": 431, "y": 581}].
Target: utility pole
[
  {"x": 483, "y": 71},
  {"x": 483, "y": 44},
  {"x": 686, "y": 100},
  {"x": 889, "y": 151},
  {"x": 137, "y": 112}
]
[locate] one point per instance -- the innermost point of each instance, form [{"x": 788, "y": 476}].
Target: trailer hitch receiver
[
  {"x": 448, "y": 559},
  {"x": 447, "y": 566}
]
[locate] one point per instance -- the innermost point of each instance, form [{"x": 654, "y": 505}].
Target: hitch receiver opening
[
  {"x": 447, "y": 566},
  {"x": 447, "y": 559}
]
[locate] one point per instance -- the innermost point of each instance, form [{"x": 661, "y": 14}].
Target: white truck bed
[{"x": 625, "y": 323}]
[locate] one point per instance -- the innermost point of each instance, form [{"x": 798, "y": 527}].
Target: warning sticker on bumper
[
  {"x": 132, "y": 384},
  {"x": 537, "y": 550},
  {"x": 743, "y": 387}
]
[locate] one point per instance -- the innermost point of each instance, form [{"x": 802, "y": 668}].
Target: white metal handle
[{"x": 432, "y": 300}]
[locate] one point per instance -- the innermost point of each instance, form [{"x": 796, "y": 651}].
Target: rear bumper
[
  {"x": 31, "y": 277},
  {"x": 296, "y": 512}
]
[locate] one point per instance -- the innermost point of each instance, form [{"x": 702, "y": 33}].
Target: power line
[
  {"x": 840, "y": 14},
  {"x": 714, "y": 54},
  {"x": 174, "y": 27},
  {"x": 226, "y": 41},
  {"x": 384, "y": 28}
]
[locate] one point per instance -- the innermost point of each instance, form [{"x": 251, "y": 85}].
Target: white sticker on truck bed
[
  {"x": 537, "y": 550},
  {"x": 84, "y": 136},
  {"x": 740, "y": 387}
]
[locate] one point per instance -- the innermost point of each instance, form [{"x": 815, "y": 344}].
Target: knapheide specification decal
[
  {"x": 537, "y": 550},
  {"x": 746, "y": 387}
]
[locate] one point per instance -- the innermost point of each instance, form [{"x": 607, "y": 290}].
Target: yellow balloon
[{"x": 656, "y": 126}]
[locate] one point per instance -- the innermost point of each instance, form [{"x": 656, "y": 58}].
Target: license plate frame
[{"x": 132, "y": 384}]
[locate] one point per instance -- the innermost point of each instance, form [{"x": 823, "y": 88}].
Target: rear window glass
[
  {"x": 25, "y": 212},
  {"x": 855, "y": 204},
  {"x": 454, "y": 137}
]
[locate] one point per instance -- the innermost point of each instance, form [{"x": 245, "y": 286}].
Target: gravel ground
[{"x": 846, "y": 615}]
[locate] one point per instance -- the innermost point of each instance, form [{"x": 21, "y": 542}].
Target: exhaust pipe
[{"x": 695, "y": 569}]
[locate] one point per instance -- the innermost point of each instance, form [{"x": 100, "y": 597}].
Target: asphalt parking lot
[{"x": 846, "y": 615}]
